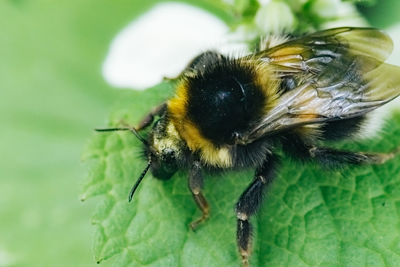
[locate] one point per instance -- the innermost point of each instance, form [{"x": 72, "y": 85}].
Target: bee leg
[
  {"x": 195, "y": 186},
  {"x": 249, "y": 203},
  {"x": 170, "y": 79},
  {"x": 149, "y": 118},
  {"x": 333, "y": 157}
]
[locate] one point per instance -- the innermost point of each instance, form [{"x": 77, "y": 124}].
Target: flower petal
[{"x": 160, "y": 44}]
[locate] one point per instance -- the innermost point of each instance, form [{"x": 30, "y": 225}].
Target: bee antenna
[
  {"x": 133, "y": 130},
  {"x": 135, "y": 186}
]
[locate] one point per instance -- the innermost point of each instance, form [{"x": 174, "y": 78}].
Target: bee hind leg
[
  {"x": 249, "y": 203},
  {"x": 333, "y": 157},
  {"x": 195, "y": 186}
]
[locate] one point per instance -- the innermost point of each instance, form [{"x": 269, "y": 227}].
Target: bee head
[{"x": 164, "y": 149}]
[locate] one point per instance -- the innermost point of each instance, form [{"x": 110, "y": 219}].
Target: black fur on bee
[{"x": 225, "y": 89}]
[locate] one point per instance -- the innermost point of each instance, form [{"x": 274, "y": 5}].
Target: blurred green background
[{"x": 52, "y": 95}]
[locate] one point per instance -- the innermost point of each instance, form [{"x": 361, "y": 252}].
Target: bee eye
[{"x": 164, "y": 165}]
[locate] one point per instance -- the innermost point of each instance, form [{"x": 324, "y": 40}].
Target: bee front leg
[
  {"x": 149, "y": 118},
  {"x": 195, "y": 186},
  {"x": 249, "y": 203}
]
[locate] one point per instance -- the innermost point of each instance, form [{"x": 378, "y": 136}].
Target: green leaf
[{"x": 310, "y": 217}]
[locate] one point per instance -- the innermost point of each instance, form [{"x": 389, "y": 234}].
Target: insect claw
[
  {"x": 193, "y": 225},
  {"x": 390, "y": 155},
  {"x": 245, "y": 259}
]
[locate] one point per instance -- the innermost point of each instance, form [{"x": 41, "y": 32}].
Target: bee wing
[
  {"x": 337, "y": 77},
  {"x": 329, "y": 49}
]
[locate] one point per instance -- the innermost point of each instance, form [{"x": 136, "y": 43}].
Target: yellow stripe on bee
[
  {"x": 209, "y": 153},
  {"x": 177, "y": 105},
  {"x": 269, "y": 84},
  {"x": 217, "y": 157}
]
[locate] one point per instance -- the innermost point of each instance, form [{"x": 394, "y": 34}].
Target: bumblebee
[{"x": 235, "y": 113}]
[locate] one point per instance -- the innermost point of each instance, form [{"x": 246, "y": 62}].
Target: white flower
[
  {"x": 160, "y": 43},
  {"x": 275, "y": 17},
  {"x": 339, "y": 13}
]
